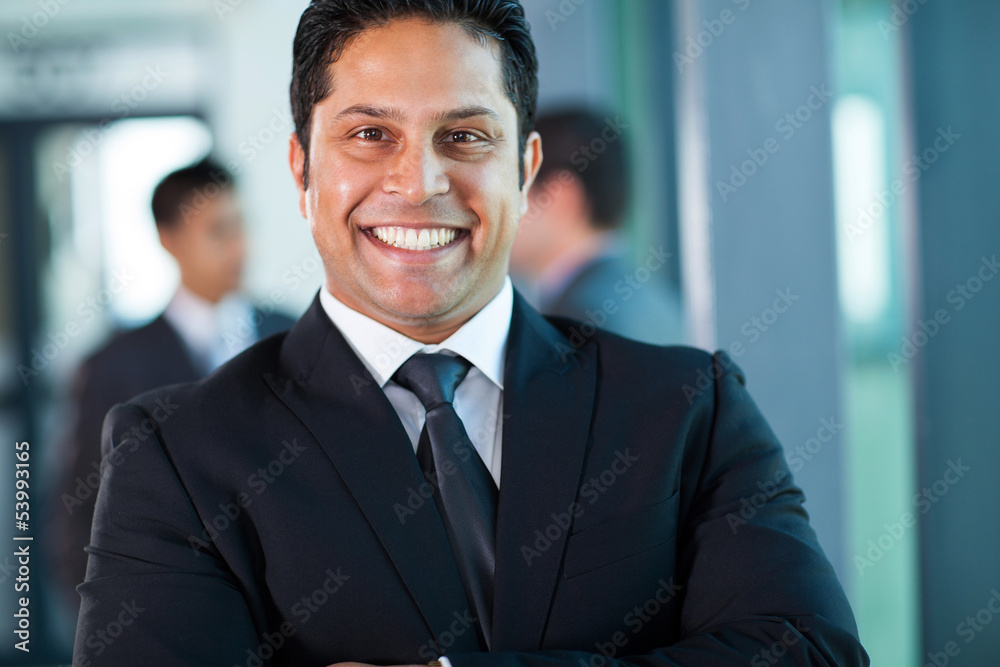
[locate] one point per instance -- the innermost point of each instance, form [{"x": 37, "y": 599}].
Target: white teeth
[{"x": 411, "y": 239}]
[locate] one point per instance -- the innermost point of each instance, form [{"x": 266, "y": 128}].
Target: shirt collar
[
  {"x": 193, "y": 317},
  {"x": 482, "y": 340},
  {"x": 200, "y": 322}
]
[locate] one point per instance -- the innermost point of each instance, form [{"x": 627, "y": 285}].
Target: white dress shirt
[
  {"x": 213, "y": 332},
  {"x": 479, "y": 397}
]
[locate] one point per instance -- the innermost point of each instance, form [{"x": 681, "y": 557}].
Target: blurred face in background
[
  {"x": 209, "y": 243},
  {"x": 414, "y": 195},
  {"x": 558, "y": 216}
]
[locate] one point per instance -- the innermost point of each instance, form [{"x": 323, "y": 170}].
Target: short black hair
[
  {"x": 327, "y": 26},
  {"x": 593, "y": 149},
  {"x": 179, "y": 190}
]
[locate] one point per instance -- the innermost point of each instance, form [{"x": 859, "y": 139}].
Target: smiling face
[{"x": 414, "y": 196}]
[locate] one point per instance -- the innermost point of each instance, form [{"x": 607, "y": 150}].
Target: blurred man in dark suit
[
  {"x": 206, "y": 322},
  {"x": 569, "y": 256},
  {"x": 425, "y": 468}
]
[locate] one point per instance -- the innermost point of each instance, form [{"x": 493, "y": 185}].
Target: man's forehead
[{"x": 418, "y": 56}]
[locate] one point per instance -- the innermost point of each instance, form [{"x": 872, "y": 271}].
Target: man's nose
[{"x": 417, "y": 173}]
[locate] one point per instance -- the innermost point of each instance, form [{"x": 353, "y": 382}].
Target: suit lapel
[
  {"x": 549, "y": 389},
  {"x": 325, "y": 384},
  {"x": 173, "y": 354}
]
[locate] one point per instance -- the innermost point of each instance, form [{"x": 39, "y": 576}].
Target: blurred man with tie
[
  {"x": 424, "y": 468},
  {"x": 206, "y": 323}
]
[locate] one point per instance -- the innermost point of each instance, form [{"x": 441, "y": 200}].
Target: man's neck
[{"x": 212, "y": 298}]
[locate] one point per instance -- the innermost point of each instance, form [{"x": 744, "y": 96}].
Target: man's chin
[{"x": 415, "y": 309}]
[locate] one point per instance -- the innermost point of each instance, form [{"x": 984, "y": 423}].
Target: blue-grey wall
[
  {"x": 956, "y": 84},
  {"x": 756, "y": 93}
]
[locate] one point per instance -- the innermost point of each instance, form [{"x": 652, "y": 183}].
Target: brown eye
[
  {"x": 463, "y": 137},
  {"x": 372, "y": 134}
]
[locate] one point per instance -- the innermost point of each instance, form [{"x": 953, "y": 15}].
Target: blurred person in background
[
  {"x": 207, "y": 322},
  {"x": 569, "y": 256}
]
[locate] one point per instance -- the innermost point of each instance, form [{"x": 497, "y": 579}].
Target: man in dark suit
[
  {"x": 205, "y": 323},
  {"x": 569, "y": 256},
  {"x": 424, "y": 468}
]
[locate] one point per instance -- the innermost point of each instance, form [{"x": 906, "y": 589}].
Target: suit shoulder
[
  {"x": 126, "y": 342},
  {"x": 240, "y": 374}
]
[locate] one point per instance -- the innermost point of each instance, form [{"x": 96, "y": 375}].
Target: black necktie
[{"x": 466, "y": 495}]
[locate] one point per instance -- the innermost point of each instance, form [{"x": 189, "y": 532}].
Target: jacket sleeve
[
  {"x": 79, "y": 451},
  {"x": 758, "y": 589},
  {"x": 149, "y": 598}
]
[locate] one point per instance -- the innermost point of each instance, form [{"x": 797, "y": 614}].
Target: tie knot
[{"x": 432, "y": 377}]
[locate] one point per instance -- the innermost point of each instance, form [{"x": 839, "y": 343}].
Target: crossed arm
[{"x": 758, "y": 589}]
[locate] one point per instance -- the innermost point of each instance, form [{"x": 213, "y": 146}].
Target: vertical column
[
  {"x": 576, "y": 50},
  {"x": 955, "y": 351},
  {"x": 757, "y": 224}
]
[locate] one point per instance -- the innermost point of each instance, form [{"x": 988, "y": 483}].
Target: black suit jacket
[
  {"x": 132, "y": 362},
  {"x": 271, "y": 514}
]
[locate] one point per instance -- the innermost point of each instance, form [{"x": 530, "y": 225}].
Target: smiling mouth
[{"x": 413, "y": 239}]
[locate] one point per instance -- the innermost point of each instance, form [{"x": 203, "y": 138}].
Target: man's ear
[
  {"x": 297, "y": 162},
  {"x": 532, "y": 163}
]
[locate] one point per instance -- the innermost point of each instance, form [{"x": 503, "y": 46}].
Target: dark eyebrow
[
  {"x": 397, "y": 116},
  {"x": 464, "y": 113},
  {"x": 382, "y": 113}
]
